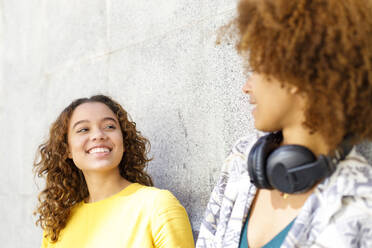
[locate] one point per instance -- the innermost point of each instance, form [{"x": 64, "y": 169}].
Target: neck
[
  {"x": 299, "y": 135},
  {"x": 104, "y": 184}
]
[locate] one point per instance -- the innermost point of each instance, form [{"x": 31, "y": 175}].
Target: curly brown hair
[
  {"x": 323, "y": 47},
  {"x": 65, "y": 183}
]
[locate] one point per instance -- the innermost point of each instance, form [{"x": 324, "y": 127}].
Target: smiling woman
[
  {"x": 310, "y": 81},
  {"x": 97, "y": 193}
]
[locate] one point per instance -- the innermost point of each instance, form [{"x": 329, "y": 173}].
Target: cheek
[
  {"x": 120, "y": 144},
  {"x": 76, "y": 145},
  {"x": 119, "y": 148},
  {"x": 118, "y": 139}
]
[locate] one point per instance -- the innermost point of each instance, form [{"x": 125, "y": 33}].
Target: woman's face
[
  {"x": 276, "y": 107},
  {"x": 95, "y": 140}
]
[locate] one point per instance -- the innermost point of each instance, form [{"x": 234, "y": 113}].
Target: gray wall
[{"x": 158, "y": 58}]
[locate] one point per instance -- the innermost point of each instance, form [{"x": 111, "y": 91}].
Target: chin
[
  {"x": 266, "y": 128},
  {"x": 100, "y": 167}
]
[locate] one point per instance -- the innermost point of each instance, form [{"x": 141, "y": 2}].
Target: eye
[
  {"x": 82, "y": 130},
  {"x": 250, "y": 71},
  {"x": 111, "y": 126}
]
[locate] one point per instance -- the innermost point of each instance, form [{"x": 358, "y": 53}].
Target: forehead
[{"x": 91, "y": 111}]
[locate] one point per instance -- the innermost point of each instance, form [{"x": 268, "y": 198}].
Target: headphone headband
[{"x": 340, "y": 152}]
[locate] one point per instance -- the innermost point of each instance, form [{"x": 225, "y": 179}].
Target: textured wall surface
[{"x": 158, "y": 58}]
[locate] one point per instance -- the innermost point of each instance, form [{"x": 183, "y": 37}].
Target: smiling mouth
[
  {"x": 252, "y": 101},
  {"x": 95, "y": 150}
]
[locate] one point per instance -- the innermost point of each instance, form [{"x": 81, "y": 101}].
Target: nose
[
  {"x": 98, "y": 135},
  {"x": 247, "y": 87}
]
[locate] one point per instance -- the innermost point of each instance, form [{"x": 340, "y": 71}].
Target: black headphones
[{"x": 290, "y": 168}]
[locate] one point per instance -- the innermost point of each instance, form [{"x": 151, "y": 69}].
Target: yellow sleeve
[{"x": 170, "y": 225}]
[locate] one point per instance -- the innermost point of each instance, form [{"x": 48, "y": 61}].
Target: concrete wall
[{"x": 158, "y": 58}]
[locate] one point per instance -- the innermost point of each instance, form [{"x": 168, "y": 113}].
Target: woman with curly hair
[
  {"x": 97, "y": 193},
  {"x": 310, "y": 81}
]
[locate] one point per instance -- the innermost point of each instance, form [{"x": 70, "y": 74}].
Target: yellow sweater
[{"x": 138, "y": 217}]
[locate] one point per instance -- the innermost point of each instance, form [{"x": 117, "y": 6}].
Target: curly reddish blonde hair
[
  {"x": 323, "y": 47},
  {"x": 65, "y": 183}
]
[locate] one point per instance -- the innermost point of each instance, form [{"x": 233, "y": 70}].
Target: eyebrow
[{"x": 104, "y": 119}]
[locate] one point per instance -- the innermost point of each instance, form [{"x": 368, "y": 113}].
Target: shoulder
[
  {"x": 166, "y": 212},
  {"x": 158, "y": 199},
  {"x": 236, "y": 161},
  {"x": 157, "y": 194},
  {"x": 234, "y": 170},
  {"x": 352, "y": 178},
  {"x": 339, "y": 213},
  {"x": 347, "y": 196},
  {"x": 244, "y": 144},
  {"x": 45, "y": 241}
]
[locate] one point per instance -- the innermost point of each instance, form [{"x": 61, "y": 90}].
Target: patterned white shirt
[{"x": 338, "y": 213}]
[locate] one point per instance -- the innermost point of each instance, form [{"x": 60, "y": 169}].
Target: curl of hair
[
  {"x": 65, "y": 183},
  {"x": 323, "y": 47}
]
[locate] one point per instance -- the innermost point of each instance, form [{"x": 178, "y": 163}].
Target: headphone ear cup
[
  {"x": 289, "y": 157},
  {"x": 256, "y": 169},
  {"x": 257, "y": 161}
]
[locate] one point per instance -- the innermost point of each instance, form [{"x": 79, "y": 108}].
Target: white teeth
[{"x": 98, "y": 150}]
